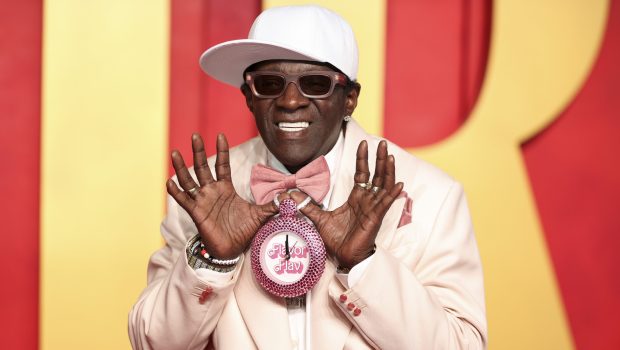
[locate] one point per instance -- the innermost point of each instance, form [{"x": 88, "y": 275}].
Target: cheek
[
  {"x": 332, "y": 115},
  {"x": 261, "y": 114}
]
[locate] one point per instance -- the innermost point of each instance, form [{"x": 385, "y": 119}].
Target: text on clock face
[
  {"x": 286, "y": 257},
  {"x": 290, "y": 267},
  {"x": 278, "y": 250}
]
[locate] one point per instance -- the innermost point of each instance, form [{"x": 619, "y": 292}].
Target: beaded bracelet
[
  {"x": 198, "y": 248},
  {"x": 203, "y": 252}
]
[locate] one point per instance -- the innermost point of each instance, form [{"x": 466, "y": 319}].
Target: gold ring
[
  {"x": 192, "y": 191},
  {"x": 363, "y": 185},
  {"x": 375, "y": 189}
]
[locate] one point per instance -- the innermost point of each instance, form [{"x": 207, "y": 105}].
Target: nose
[{"x": 291, "y": 98}]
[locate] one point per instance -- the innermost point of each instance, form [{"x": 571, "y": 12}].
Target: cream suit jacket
[{"x": 423, "y": 288}]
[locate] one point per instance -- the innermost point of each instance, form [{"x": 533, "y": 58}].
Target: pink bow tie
[{"x": 313, "y": 179}]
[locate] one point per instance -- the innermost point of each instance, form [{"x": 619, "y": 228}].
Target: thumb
[
  {"x": 312, "y": 211},
  {"x": 265, "y": 211}
]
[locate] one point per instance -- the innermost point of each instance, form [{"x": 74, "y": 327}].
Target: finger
[
  {"x": 283, "y": 195},
  {"x": 390, "y": 173},
  {"x": 278, "y": 199},
  {"x": 183, "y": 198},
  {"x": 203, "y": 173},
  {"x": 185, "y": 179},
  {"x": 362, "y": 174},
  {"x": 267, "y": 210},
  {"x": 222, "y": 163},
  {"x": 312, "y": 210},
  {"x": 387, "y": 198},
  {"x": 382, "y": 155}
]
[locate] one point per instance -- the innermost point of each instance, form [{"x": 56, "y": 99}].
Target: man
[{"x": 403, "y": 270}]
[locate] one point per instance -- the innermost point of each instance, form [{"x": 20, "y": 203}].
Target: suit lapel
[
  {"x": 345, "y": 180},
  {"x": 344, "y": 174},
  {"x": 265, "y": 316},
  {"x": 330, "y": 327}
]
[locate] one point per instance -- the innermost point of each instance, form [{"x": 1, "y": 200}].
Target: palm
[
  {"x": 349, "y": 232},
  {"x": 225, "y": 221}
]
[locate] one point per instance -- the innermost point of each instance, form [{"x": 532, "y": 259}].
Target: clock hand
[
  {"x": 288, "y": 255},
  {"x": 293, "y": 246}
]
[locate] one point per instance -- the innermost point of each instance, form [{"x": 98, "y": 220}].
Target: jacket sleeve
[
  {"x": 432, "y": 298},
  {"x": 169, "y": 313}
]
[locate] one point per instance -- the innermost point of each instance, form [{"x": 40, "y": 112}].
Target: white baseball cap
[{"x": 310, "y": 33}]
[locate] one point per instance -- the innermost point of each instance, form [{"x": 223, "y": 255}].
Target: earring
[{"x": 347, "y": 118}]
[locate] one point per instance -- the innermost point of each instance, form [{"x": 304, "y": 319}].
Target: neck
[{"x": 294, "y": 169}]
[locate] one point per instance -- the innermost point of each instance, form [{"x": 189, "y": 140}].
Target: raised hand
[
  {"x": 226, "y": 222},
  {"x": 349, "y": 232}
]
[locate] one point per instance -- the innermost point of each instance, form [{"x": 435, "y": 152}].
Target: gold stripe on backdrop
[
  {"x": 540, "y": 55},
  {"x": 104, "y": 140},
  {"x": 368, "y": 22}
]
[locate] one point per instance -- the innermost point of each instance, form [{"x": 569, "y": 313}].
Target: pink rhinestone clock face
[
  {"x": 288, "y": 254},
  {"x": 285, "y": 257}
]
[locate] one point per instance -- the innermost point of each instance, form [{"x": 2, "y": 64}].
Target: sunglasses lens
[
  {"x": 315, "y": 84},
  {"x": 269, "y": 85}
]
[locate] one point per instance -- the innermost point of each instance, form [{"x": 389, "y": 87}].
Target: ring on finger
[
  {"x": 375, "y": 189},
  {"x": 192, "y": 191},
  {"x": 364, "y": 185}
]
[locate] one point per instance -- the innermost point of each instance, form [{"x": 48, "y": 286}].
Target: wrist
[
  {"x": 199, "y": 248},
  {"x": 197, "y": 260},
  {"x": 346, "y": 268}
]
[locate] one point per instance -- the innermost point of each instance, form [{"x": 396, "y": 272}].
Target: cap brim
[{"x": 227, "y": 61}]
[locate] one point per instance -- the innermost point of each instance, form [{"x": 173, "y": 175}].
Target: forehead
[{"x": 288, "y": 66}]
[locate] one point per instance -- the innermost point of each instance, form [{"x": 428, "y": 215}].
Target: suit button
[
  {"x": 343, "y": 298},
  {"x": 205, "y": 294},
  {"x": 351, "y": 306},
  {"x": 357, "y": 312}
]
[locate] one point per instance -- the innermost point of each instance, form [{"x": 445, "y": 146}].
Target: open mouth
[{"x": 293, "y": 127}]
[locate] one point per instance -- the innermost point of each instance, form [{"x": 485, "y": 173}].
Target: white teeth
[{"x": 292, "y": 127}]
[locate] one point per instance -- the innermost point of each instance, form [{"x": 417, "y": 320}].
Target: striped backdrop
[{"x": 517, "y": 99}]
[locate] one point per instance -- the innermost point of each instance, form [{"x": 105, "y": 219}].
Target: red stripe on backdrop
[
  {"x": 574, "y": 170},
  {"x": 197, "y": 102},
  {"x": 20, "y": 114},
  {"x": 436, "y": 53}
]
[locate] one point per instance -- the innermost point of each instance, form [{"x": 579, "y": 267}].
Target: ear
[
  {"x": 245, "y": 90},
  {"x": 352, "y": 93}
]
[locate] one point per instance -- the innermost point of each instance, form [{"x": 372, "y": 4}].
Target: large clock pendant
[{"x": 288, "y": 254}]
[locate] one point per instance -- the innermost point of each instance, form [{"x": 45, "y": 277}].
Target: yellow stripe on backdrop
[
  {"x": 540, "y": 55},
  {"x": 104, "y": 140},
  {"x": 367, "y": 17}
]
